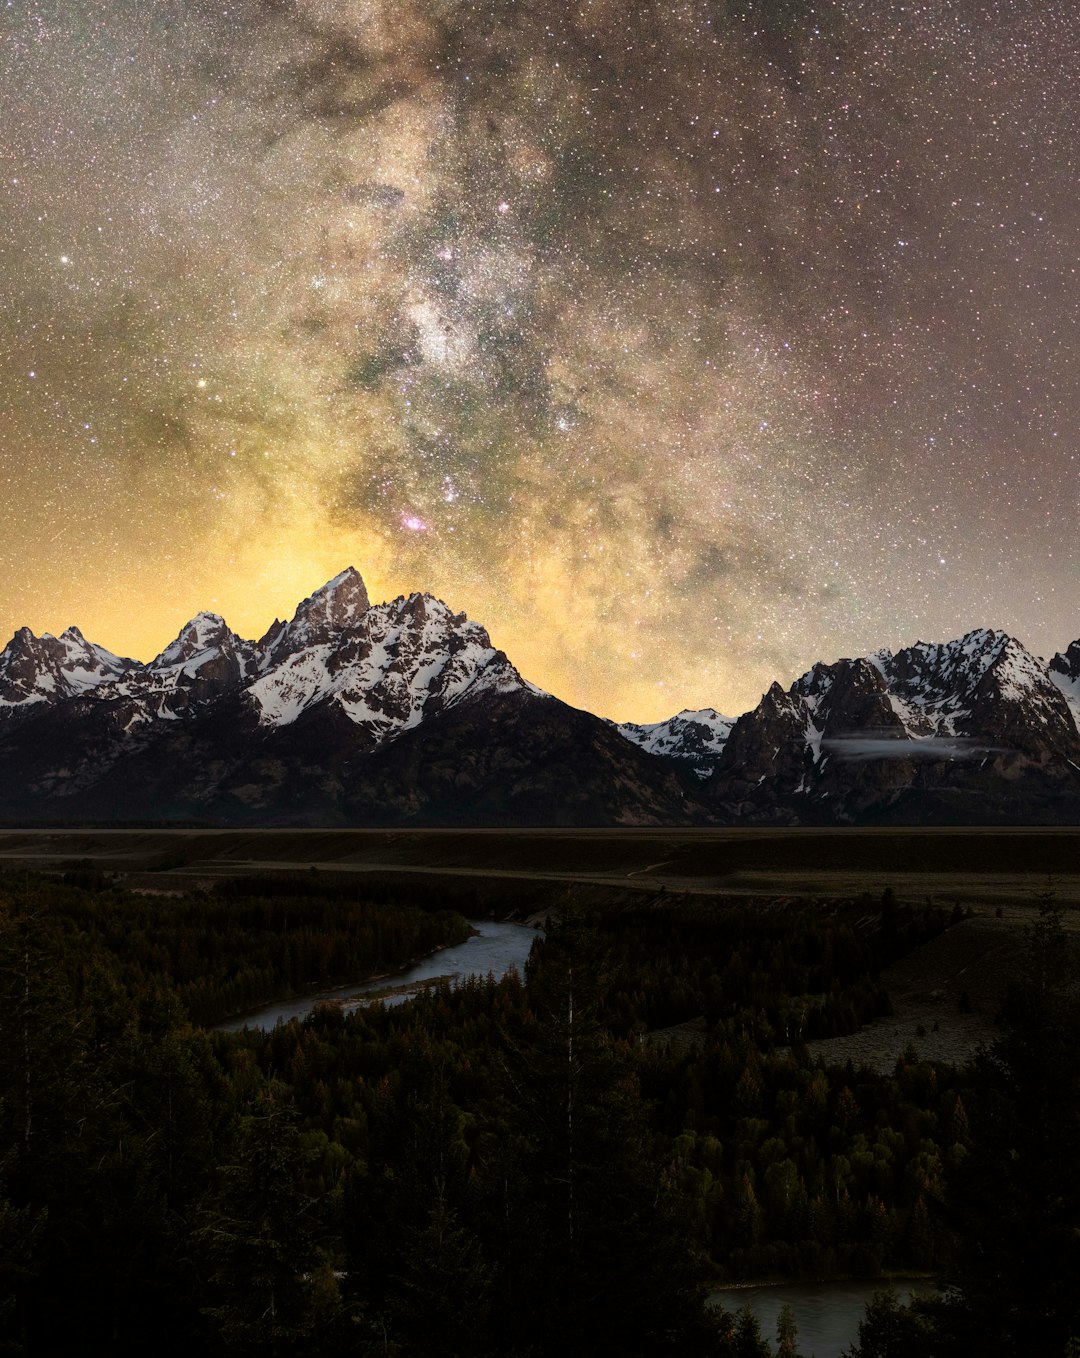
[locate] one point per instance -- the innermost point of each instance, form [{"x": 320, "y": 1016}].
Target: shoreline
[
  {"x": 881, "y": 1279},
  {"x": 347, "y": 996},
  {"x": 345, "y": 985}
]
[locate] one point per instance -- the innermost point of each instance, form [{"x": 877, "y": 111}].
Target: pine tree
[
  {"x": 787, "y": 1333},
  {"x": 273, "y": 1292},
  {"x": 748, "y": 1342},
  {"x": 604, "y": 1270},
  {"x": 442, "y": 1301},
  {"x": 889, "y": 1329},
  {"x": 1014, "y": 1199}
]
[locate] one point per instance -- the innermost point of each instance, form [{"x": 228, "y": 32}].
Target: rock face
[
  {"x": 348, "y": 713},
  {"x": 974, "y": 730},
  {"x": 318, "y": 620},
  {"x": 1065, "y": 673},
  {"x": 39, "y": 672}
]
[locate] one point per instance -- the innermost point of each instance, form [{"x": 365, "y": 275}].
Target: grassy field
[{"x": 974, "y": 867}]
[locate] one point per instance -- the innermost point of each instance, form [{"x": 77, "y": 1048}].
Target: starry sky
[{"x": 681, "y": 344}]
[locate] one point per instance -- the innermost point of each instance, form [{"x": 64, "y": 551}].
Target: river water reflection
[
  {"x": 495, "y": 948},
  {"x": 827, "y": 1314}
]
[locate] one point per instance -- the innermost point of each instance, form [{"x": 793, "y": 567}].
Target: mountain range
[{"x": 404, "y": 713}]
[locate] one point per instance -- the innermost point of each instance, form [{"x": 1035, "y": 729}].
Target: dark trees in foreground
[
  {"x": 1014, "y": 1200},
  {"x": 506, "y": 1168},
  {"x": 602, "y": 1264}
]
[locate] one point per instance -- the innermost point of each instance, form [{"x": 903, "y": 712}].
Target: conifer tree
[
  {"x": 787, "y": 1333},
  {"x": 1014, "y": 1199},
  {"x": 273, "y": 1293},
  {"x": 610, "y": 1273}
]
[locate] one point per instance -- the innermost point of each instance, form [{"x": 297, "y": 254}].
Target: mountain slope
[
  {"x": 976, "y": 729},
  {"x": 405, "y": 713},
  {"x": 401, "y": 712},
  {"x": 693, "y": 738}
]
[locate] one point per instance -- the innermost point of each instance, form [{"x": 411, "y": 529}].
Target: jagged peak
[
  {"x": 1067, "y": 662},
  {"x": 271, "y": 635},
  {"x": 424, "y": 606},
  {"x": 978, "y": 641},
  {"x": 781, "y": 699},
  {"x": 335, "y": 607},
  {"x": 345, "y": 593},
  {"x": 25, "y": 643},
  {"x": 23, "y": 638},
  {"x": 817, "y": 680},
  {"x": 204, "y": 632},
  {"x": 47, "y": 669}
]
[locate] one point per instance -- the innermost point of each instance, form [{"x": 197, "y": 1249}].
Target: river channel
[
  {"x": 495, "y": 948},
  {"x": 827, "y": 1314}
]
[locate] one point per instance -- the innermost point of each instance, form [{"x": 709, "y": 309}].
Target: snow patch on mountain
[
  {"x": 399, "y": 663},
  {"x": 696, "y": 737},
  {"x": 41, "y": 671}
]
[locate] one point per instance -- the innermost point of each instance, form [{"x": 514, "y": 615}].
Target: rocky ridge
[
  {"x": 404, "y": 712},
  {"x": 297, "y": 727},
  {"x": 973, "y": 729}
]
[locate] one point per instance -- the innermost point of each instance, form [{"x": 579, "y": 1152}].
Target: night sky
[{"x": 681, "y": 344}]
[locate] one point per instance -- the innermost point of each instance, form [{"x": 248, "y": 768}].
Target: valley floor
[{"x": 980, "y": 868}]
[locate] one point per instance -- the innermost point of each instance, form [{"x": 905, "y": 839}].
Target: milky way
[{"x": 680, "y": 344}]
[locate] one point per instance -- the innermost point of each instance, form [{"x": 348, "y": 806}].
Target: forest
[{"x": 524, "y": 1166}]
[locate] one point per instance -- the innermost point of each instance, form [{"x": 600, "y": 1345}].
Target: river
[
  {"x": 495, "y": 948},
  {"x": 827, "y": 1314}
]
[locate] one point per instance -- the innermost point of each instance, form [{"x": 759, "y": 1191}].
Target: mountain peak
[
  {"x": 202, "y": 633},
  {"x": 336, "y": 607},
  {"x": 47, "y": 669},
  {"x": 344, "y": 596},
  {"x": 695, "y": 737},
  {"x": 386, "y": 667}
]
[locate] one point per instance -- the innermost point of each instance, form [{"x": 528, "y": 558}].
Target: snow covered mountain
[
  {"x": 37, "y": 672},
  {"x": 205, "y": 662},
  {"x": 347, "y": 713},
  {"x": 405, "y": 713},
  {"x": 693, "y": 738},
  {"x": 971, "y": 729},
  {"x": 386, "y": 668}
]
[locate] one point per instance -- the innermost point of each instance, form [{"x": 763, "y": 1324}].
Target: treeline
[
  {"x": 248, "y": 942},
  {"x": 508, "y": 1168},
  {"x": 784, "y": 972}
]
